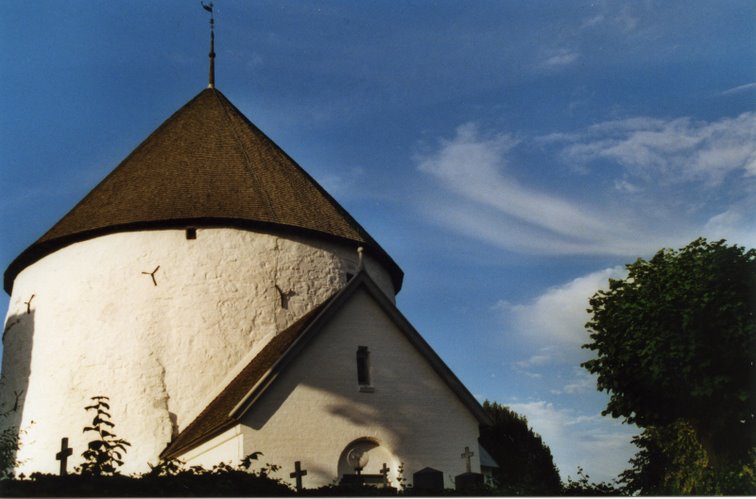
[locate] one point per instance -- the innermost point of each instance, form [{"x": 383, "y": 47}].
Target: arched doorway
[{"x": 365, "y": 461}]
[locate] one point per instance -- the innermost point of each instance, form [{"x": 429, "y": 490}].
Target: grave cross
[
  {"x": 384, "y": 471},
  {"x": 62, "y": 456},
  {"x": 298, "y": 474},
  {"x": 466, "y": 456}
]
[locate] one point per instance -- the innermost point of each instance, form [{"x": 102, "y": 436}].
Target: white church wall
[
  {"x": 98, "y": 325},
  {"x": 315, "y": 408}
]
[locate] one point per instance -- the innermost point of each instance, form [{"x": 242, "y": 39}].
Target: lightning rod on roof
[{"x": 211, "y": 78}]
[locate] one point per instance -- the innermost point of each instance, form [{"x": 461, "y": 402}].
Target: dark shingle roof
[{"x": 207, "y": 165}]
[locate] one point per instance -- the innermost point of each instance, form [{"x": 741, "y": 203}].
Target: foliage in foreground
[
  {"x": 184, "y": 484},
  {"x": 674, "y": 344},
  {"x": 105, "y": 453},
  {"x": 526, "y": 464},
  {"x": 672, "y": 461},
  {"x": 582, "y": 486}
]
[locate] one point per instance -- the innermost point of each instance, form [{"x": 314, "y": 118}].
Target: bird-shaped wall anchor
[
  {"x": 285, "y": 295},
  {"x": 152, "y": 274},
  {"x": 28, "y": 304}
]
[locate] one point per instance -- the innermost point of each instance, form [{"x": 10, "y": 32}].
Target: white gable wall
[
  {"x": 228, "y": 447},
  {"x": 315, "y": 409}
]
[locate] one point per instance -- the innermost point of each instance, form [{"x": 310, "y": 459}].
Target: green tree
[
  {"x": 674, "y": 344},
  {"x": 670, "y": 460},
  {"x": 526, "y": 464}
]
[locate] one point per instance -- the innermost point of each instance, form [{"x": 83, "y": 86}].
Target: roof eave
[{"x": 41, "y": 249}]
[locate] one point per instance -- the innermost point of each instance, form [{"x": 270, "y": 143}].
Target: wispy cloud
[
  {"x": 531, "y": 366},
  {"x": 472, "y": 166},
  {"x": 670, "y": 151},
  {"x": 559, "y": 58},
  {"x": 534, "y": 360},
  {"x": 483, "y": 201},
  {"x": 740, "y": 88},
  {"x": 581, "y": 382},
  {"x": 662, "y": 168}
]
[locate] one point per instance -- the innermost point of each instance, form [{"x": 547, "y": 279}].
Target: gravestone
[
  {"x": 428, "y": 481},
  {"x": 469, "y": 483}
]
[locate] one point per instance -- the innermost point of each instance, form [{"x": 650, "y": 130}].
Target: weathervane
[{"x": 209, "y": 7}]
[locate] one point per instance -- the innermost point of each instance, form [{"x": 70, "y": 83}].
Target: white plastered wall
[
  {"x": 315, "y": 408},
  {"x": 98, "y": 325}
]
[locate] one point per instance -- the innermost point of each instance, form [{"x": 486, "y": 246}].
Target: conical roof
[{"x": 207, "y": 165}]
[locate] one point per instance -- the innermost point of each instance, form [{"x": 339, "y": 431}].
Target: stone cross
[
  {"x": 298, "y": 474},
  {"x": 466, "y": 456},
  {"x": 62, "y": 456},
  {"x": 384, "y": 471}
]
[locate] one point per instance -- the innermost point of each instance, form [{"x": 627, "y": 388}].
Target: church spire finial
[{"x": 211, "y": 78}]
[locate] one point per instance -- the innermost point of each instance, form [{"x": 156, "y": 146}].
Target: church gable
[{"x": 358, "y": 376}]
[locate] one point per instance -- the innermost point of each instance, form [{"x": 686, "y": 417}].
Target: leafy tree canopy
[
  {"x": 675, "y": 341},
  {"x": 526, "y": 464}
]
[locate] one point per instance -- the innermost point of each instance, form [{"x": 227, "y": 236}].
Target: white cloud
[
  {"x": 545, "y": 357},
  {"x": 665, "y": 171},
  {"x": 473, "y": 167},
  {"x": 483, "y": 201},
  {"x": 577, "y": 439},
  {"x": 669, "y": 151},
  {"x": 560, "y": 58},
  {"x": 534, "y": 360},
  {"x": 737, "y": 224},
  {"x": 582, "y": 382},
  {"x": 623, "y": 185},
  {"x": 740, "y": 88},
  {"x": 558, "y": 316}
]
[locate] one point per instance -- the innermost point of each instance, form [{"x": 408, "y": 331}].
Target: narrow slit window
[
  {"x": 363, "y": 366},
  {"x": 191, "y": 233}
]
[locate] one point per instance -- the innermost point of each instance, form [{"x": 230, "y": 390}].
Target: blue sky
[{"x": 510, "y": 155}]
